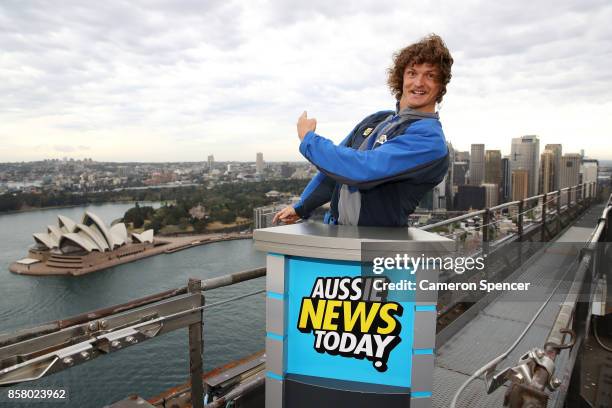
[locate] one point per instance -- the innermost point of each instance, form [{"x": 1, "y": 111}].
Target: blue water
[{"x": 231, "y": 331}]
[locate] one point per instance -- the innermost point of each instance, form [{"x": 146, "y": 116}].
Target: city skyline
[{"x": 179, "y": 81}]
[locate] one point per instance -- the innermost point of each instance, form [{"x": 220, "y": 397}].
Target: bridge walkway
[{"x": 499, "y": 323}]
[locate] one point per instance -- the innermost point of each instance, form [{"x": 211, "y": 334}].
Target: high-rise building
[
  {"x": 439, "y": 195},
  {"x": 462, "y": 156},
  {"x": 491, "y": 194},
  {"x": 524, "y": 155},
  {"x": 520, "y": 184},
  {"x": 493, "y": 167},
  {"x": 570, "y": 169},
  {"x": 470, "y": 198},
  {"x": 506, "y": 184},
  {"x": 459, "y": 171},
  {"x": 589, "y": 170},
  {"x": 211, "y": 162},
  {"x": 259, "y": 163},
  {"x": 557, "y": 150},
  {"x": 547, "y": 171},
  {"x": 450, "y": 175},
  {"x": 477, "y": 164}
]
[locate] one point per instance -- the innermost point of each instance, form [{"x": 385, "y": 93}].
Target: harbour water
[{"x": 231, "y": 330}]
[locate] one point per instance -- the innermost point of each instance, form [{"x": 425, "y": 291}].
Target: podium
[{"x": 344, "y": 329}]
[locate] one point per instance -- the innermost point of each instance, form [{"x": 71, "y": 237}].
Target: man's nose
[{"x": 418, "y": 80}]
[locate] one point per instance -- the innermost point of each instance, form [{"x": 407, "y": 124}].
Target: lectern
[{"x": 349, "y": 319}]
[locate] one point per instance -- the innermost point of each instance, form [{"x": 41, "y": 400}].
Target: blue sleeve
[
  {"x": 316, "y": 193},
  {"x": 421, "y": 144},
  {"x": 321, "y": 187}
]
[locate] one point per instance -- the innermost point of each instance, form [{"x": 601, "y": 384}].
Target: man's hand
[
  {"x": 305, "y": 125},
  {"x": 286, "y": 215}
]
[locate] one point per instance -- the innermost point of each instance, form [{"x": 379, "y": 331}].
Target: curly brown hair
[{"x": 432, "y": 50}]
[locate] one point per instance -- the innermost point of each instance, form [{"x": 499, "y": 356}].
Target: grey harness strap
[{"x": 349, "y": 202}]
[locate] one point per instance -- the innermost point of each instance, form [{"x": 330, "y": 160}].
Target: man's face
[{"x": 421, "y": 87}]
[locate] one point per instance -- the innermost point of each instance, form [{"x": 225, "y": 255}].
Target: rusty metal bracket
[{"x": 563, "y": 346}]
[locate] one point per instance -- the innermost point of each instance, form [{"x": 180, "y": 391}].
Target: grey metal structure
[{"x": 286, "y": 386}]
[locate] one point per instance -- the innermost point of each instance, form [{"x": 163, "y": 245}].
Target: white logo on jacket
[{"x": 381, "y": 139}]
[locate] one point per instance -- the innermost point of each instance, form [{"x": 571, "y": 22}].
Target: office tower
[
  {"x": 450, "y": 175},
  {"x": 462, "y": 156},
  {"x": 491, "y": 194},
  {"x": 589, "y": 170},
  {"x": 506, "y": 183},
  {"x": 520, "y": 184},
  {"x": 557, "y": 150},
  {"x": 459, "y": 172},
  {"x": 570, "y": 169},
  {"x": 477, "y": 164},
  {"x": 524, "y": 155},
  {"x": 493, "y": 167},
  {"x": 211, "y": 162},
  {"x": 438, "y": 200},
  {"x": 547, "y": 171},
  {"x": 259, "y": 163},
  {"x": 470, "y": 198}
]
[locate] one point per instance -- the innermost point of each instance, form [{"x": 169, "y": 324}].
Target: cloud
[{"x": 204, "y": 76}]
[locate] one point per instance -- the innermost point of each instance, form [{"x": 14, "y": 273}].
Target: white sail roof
[
  {"x": 92, "y": 220},
  {"x": 80, "y": 240},
  {"x": 65, "y": 223},
  {"x": 146, "y": 236},
  {"x": 45, "y": 239},
  {"x": 90, "y": 235},
  {"x": 119, "y": 234},
  {"x": 94, "y": 235}
]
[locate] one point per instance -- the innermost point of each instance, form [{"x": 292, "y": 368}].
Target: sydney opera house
[{"x": 76, "y": 248}]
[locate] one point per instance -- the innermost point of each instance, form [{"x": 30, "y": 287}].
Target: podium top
[{"x": 344, "y": 242}]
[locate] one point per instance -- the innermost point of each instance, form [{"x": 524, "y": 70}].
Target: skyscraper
[
  {"x": 493, "y": 167},
  {"x": 520, "y": 184},
  {"x": 589, "y": 170},
  {"x": 259, "y": 163},
  {"x": 570, "y": 169},
  {"x": 211, "y": 162},
  {"x": 557, "y": 150},
  {"x": 477, "y": 164},
  {"x": 491, "y": 194},
  {"x": 547, "y": 171},
  {"x": 506, "y": 185},
  {"x": 524, "y": 155}
]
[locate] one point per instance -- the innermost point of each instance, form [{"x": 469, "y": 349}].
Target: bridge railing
[
  {"x": 570, "y": 328},
  {"x": 37, "y": 352}
]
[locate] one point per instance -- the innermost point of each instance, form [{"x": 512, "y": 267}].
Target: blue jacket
[{"x": 391, "y": 159}]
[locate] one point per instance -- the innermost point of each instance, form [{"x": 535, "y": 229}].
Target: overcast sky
[{"x": 179, "y": 80}]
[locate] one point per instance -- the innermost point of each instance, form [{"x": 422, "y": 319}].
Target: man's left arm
[{"x": 421, "y": 145}]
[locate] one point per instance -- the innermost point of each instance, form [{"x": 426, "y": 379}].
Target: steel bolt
[
  {"x": 131, "y": 339},
  {"x": 85, "y": 355},
  {"x": 68, "y": 361},
  {"x": 556, "y": 383},
  {"x": 103, "y": 324},
  {"x": 93, "y": 326},
  {"x": 115, "y": 344}
]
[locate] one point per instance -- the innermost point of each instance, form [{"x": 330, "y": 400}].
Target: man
[{"x": 384, "y": 167}]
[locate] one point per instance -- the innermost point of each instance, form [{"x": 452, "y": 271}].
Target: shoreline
[
  {"x": 164, "y": 245},
  {"x": 59, "y": 207}
]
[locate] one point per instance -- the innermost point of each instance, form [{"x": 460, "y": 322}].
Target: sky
[{"x": 180, "y": 80}]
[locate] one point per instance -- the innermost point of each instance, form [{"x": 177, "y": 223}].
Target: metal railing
[
  {"x": 534, "y": 378},
  {"x": 31, "y": 354}
]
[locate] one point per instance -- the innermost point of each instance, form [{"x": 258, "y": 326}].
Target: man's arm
[
  {"x": 316, "y": 193},
  {"x": 422, "y": 144}
]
